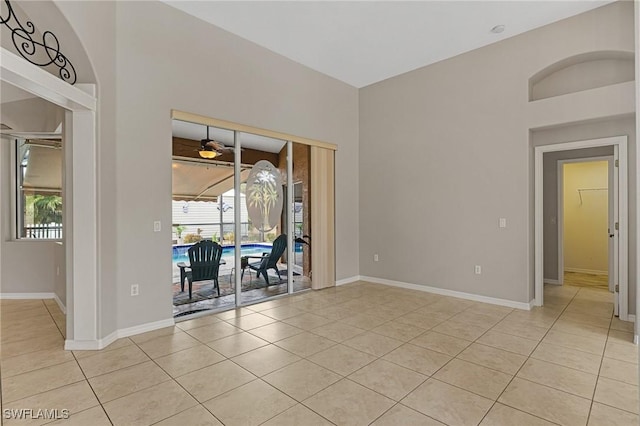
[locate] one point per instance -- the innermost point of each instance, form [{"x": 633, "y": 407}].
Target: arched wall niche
[
  {"x": 582, "y": 72},
  {"x": 46, "y": 16}
]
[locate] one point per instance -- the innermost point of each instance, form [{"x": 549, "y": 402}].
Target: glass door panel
[
  {"x": 263, "y": 229},
  {"x": 301, "y": 210}
]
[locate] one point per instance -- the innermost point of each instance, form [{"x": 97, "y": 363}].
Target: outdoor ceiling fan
[{"x": 210, "y": 148}]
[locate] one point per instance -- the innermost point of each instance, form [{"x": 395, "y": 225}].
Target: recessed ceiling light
[{"x": 498, "y": 29}]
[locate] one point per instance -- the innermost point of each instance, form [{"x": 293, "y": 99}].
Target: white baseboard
[
  {"x": 550, "y": 281},
  {"x": 61, "y": 305},
  {"x": 452, "y": 293},
  {"x": 586, "y": 271},
  {"x": 27, "y": 295},
  {"x": 348, "y": 280},
  {"x": 84, "y": 345}
]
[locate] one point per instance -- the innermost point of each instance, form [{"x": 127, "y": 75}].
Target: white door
[{"x": 614, "y": 249}]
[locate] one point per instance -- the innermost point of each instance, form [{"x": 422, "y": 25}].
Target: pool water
[{"x": 180, "y": 252}]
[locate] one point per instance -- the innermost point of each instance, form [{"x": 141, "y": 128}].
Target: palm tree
[
  {"x": 46, "y": 208},
  {"x": 264, "y": 195}
]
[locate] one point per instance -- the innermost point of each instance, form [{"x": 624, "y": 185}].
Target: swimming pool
[{"x": 180, "y": 251}]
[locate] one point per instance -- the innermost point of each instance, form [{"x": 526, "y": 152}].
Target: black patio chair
[
  {"x": 268, "y": 260},
  {"x": 204, "y": 259}
]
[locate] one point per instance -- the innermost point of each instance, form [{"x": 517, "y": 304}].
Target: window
[{"x": 38, "y": 189}]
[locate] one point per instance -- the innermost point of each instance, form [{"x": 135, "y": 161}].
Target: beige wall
[
  {"x": 204, "y": 70},
  {"x": 586, "y": 217},
  {"x": 447, "y": 148}
]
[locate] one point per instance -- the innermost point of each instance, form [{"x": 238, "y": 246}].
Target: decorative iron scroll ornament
[{"x": 43, "y": 53}]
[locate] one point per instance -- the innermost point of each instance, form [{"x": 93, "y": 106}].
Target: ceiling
[
  {"x": 363, "y": 42},
  {"x": 196, "y": 132}
]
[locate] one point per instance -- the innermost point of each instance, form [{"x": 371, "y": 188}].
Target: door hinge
[
  {"x": 617, "y": 226},
  {"x": 617, "y": 163},
  {"x": 617, "y": 288}
]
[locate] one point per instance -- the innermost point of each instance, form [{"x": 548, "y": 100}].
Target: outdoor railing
[{"x": 50, "y": 231}]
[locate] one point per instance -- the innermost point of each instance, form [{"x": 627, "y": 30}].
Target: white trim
[
  {"x": 631, "y": 318},
  {"x": 586, "y": 271},
  {"x": 87, "y": 345},
  {"x": 27, "y": 296},
  {"x": 348, "y": 280},
  {"x": 61, "y": 305},
  {"x": 552, "y": 282},
  {"x": 621, "y": 142},
  {"x": 452, "y": 293}
]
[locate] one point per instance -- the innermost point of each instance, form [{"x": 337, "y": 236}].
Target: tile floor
[{"x": 354, "y": 355}]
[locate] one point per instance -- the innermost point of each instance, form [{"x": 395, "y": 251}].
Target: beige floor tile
[
  {"x": 305, "y": 344},
  {"x": 17, "y": 333},
  {"x": 622, "y": 351},
  {"x": 501, "y": 415},
  {"x": 542, "y": 401},
  {"x": 460, "y": 330},
  {"x": 336, "y": 313},
  {"x": 558, "y": 377},
  {"x": 188, "y": 360},
  {"x": 118, "y": 344},
  {"x": 237, "y": 344},
  {"x": 622, "y": 337},
  {"x": 34, "y": 360},
  {"x": 619, "y": 370},
  {"x": 423, "y": 320},
  {"x": 388, "y": 379},
  {"x": 247, "y": 322},
  {"x": 276, "y": 331},
  {"x": 364, "y": 321},
  {"x": 235, "y": 313},
  {"x": 400, "y": 415},
  {"x": 214, "y": 380},
  {"x": 150, "y": 335},
  {"x": 93, "y": 416},
  {"x": 271, "y": 304},
  {"x": 474, "y": 378},
  {"x": 572, "y": 358},
  {"x": 508, "y": 342},
  {"x": 448, "y": 404},
  {"x": 586, "y": 344},
  {"x": 342, "y": 359},
  {"x": 211, "y": 332},
  {"x": 441, "y": 343},
  {"x": 618, "y": 324},
  {"x": 75, "y": 398},
  {"x": 603, "y": 415},
  {"x": 617, "y": 394},
  {"x": 149, "y": 405},
  {"x": 476, "y": 318},
  {"x": 348, "y": 403},
  {"x": 166, "y": 345},
  {"x": 266, "y": 359},
  {"x": 105, "y": 362},
  {"x": 372, "y": 343},
  {"x": 296, "y": 416},
  {"x": 494, "y": 358},
  {"x": 518, "y": 329},
  {"x": 37, "y": 381},
  {"x": 54, "y": 341},
  {"x": 398, "y": 331},
  {"x": 282, "y": 312},
  {"x": 266, "y": 402},
  {"x": 571, "y": 327},
  {"x": 415, "y": 358},
  {"x": 337, "y": 331},
  {"x": 197, "y": 322},
  {"x": 301, "y": 379},
  {"x": 123, "y": 382},
  {"x": 307, "y": 321},
  {"x": 587, "y": 319},
  {"x": 195, "y": 416}
]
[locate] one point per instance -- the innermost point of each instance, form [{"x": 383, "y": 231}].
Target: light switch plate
[{"x": 157, "y": 226}]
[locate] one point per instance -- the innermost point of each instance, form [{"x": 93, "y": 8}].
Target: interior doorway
[
  {"x": 620, "y": 224},
  {"x": 586, "y": 214}
]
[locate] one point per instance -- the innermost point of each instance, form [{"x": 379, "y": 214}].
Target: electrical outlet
[
  {"x": 478, "y": 269},
  {"x": 503, "y": 222},
  {"x": 135, "y": 290},
  {"x": 376, "y": 257},
  {"x": 157, "y": 226}
]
